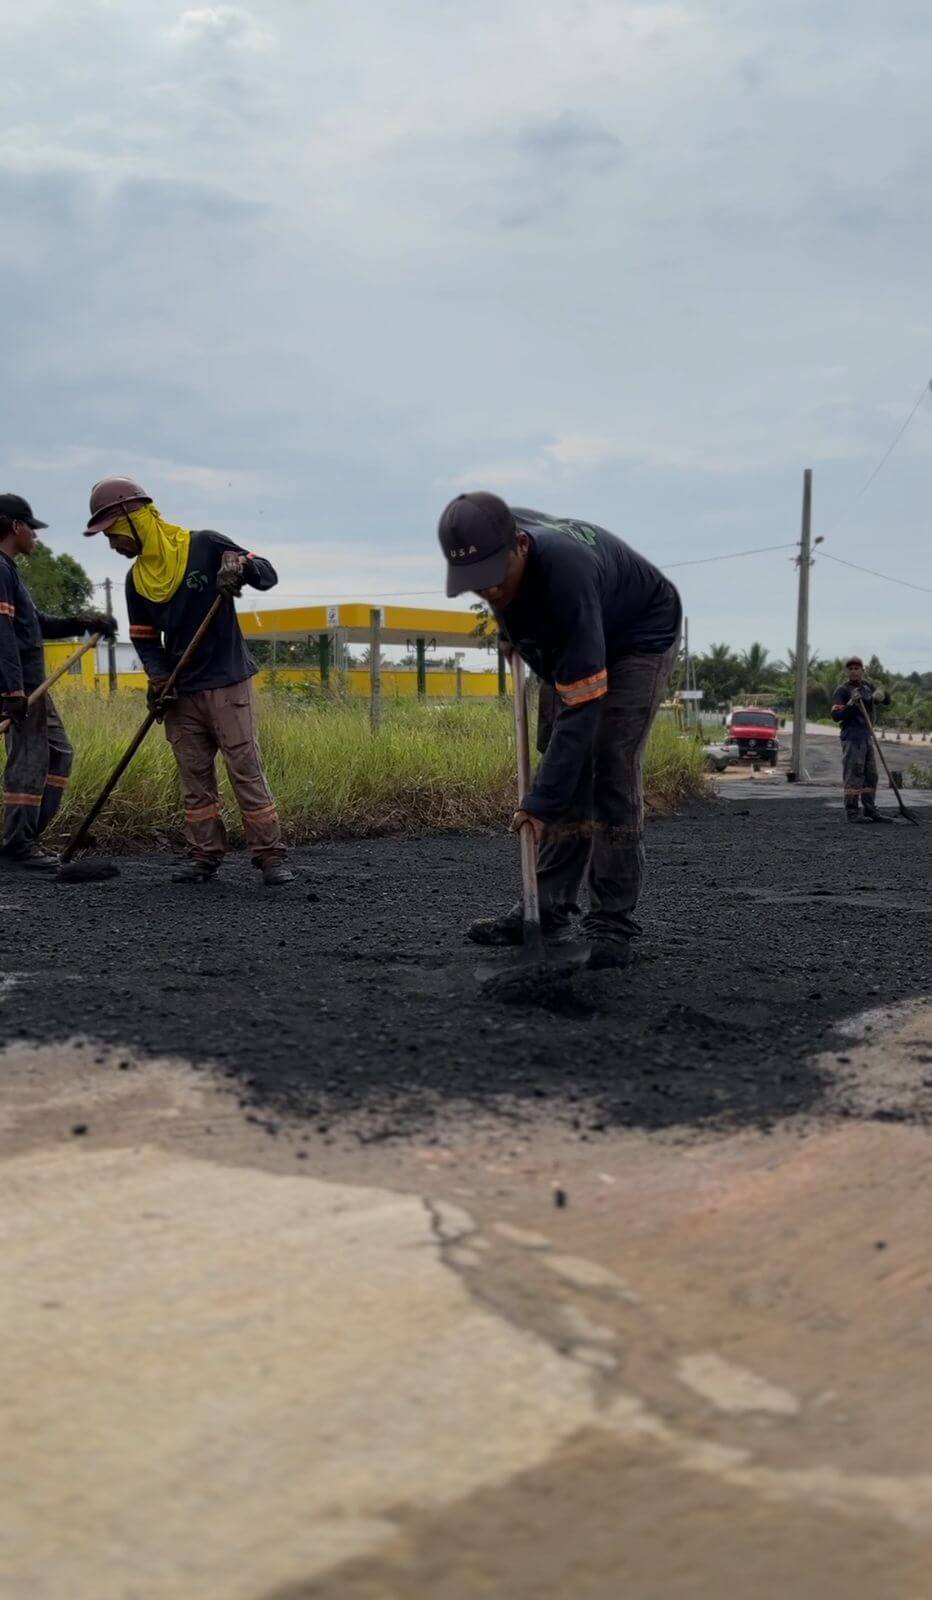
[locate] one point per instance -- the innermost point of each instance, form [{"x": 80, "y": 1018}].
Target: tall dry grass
[{"x": 432, "y": 767}]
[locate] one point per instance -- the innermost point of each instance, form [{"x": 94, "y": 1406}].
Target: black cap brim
[
  {"x": 35, "y": 524},
  {"x": 470, "y": 577}
]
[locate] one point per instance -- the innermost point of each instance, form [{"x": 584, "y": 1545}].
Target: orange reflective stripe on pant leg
[
  {"x": 202, "y": 813},
  {"x": 264, "y": 814},
  {"x": 11, "y": 799},
  {"x": 56, "y": 781}
]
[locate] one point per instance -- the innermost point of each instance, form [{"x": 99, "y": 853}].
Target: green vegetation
[
  {"x": 58, "y": 584},
  {"x": 431, "y": 768}
]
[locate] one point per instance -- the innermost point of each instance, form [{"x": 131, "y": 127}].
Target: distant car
[
  {"x": 719, "y": 756},
  {"x": 752, "y": 732}
]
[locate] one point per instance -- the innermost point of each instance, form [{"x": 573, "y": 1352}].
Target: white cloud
[
  {"x": 641, "y": 259},
  {"x": 225, "y": 25}
]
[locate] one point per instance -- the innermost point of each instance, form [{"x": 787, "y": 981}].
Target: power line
[
  {"x": 904, "y": 584},
  {"x": 883, "y": 460},
  {"x": 732, "y": 555}
]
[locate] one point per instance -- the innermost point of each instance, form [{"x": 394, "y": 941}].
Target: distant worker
[
  {"x": 38, "y": 750},
  {"x": 175, "y": 577},
  {"x": 859, "y": 763},
  {"x": 601, "y": 625}
]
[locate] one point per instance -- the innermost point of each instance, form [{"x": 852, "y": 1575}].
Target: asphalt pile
[{"x": 350, "y": 999}]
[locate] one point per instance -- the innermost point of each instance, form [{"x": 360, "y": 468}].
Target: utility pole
[
  {"x": 375, "y": 669},
  {"x": 798, "y": 773},
  {"x": 686, "y": 683},
  {"x": 111, "y": 642}
]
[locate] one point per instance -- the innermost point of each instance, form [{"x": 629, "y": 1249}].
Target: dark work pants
[
  {"x": 38, "y": 761},
  {"x": 859, "y": 767},
  {"x": 600, "y": 836}
]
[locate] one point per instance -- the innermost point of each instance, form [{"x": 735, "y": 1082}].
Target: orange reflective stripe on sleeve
[
  {"x": 202, "y": 813},
  {"x": 141, "y": 630},
  {"x": 576, "y": 694},
  {"x": 10, "y": 798},
  {"x": 6, "y": 610}
]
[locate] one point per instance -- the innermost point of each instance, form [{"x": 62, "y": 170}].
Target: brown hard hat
[{"x": 110, "y": 498}]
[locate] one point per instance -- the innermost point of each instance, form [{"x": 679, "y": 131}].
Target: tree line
[{"x": 726, "y": 676}]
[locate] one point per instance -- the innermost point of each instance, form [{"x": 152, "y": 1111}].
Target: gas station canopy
[{"x": 399, "y": 624}]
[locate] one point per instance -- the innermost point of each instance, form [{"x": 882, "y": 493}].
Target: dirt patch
[{"x": 414, "y": 1376}]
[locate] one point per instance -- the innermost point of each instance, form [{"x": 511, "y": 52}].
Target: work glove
[
  {"x": 13, "y": 706},
  {"x": 157, "y": 699},
  {"x": 232, "y": 573},
  {"x": 855, "y": 697},
  {"x": 95, "y": 622}
]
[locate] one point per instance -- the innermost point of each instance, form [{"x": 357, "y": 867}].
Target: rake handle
[
  {"x": 43, "y": 688},
  {"x": 75, "y": 842},
  {"x": 533, "y": 938},
  {"x": 883, "y": 762}
]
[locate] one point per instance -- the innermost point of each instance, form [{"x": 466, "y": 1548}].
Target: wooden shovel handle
[{"x": 53, "y": 677}]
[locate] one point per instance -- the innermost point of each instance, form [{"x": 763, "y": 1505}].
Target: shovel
[
  {"x": 909, "y": 815},
  {"x": 43, "y": 688},
  {"x": 539, "y": 972},
  {"x": 71, "y": 871}
]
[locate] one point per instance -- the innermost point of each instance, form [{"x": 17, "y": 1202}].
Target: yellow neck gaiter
[{"x": 158, "y": 571}]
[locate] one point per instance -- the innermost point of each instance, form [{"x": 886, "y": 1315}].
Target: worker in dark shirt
[
  {"x": 172, "y": 584},
  {"x": 39, "y": 753},
  {"x": 859, "y": 763},
  {"x": 601, "y": 625}
]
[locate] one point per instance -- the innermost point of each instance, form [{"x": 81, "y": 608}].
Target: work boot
[
  {"x": 508, "y": 929},
  {"x": 871, "y": 814},
  {"x": 194, "y": 872},
  {"x": 33, "y": 858},
  {"x": 608, "y": 950},
  {"x": 275, "y": 873},
  {"x": 852, "y": 814}
]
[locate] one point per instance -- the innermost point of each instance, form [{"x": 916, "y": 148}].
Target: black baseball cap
[
  {"x": 477, "y": 534},
  {"x": 17, "y": 509}
]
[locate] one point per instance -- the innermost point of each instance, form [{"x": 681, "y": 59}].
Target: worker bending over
[
  {"x": 175, "y": 578},
  {"x": 38, "y": 750},
  {"x": 859, "y": 763},
  {"x": 601, "y": 624}
]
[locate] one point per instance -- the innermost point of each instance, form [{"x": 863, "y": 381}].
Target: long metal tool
[
  {"x": 77, "y": 839},
  {"x": 43, "y": 688},
  {"x": 538, "y": 971},
  {"x": 909, "y": 815}
]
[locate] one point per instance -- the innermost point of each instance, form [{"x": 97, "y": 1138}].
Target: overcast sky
[{"x": 309, "y": 267}]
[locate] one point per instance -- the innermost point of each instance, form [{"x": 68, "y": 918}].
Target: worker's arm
[
  {"x": 82, "y": 622},
  {"x": 145, "y": 637},
  {"x": 841, "y": 708},
  {"x": 581, "y": 682},
  {"x": 11, "y": 672},
  {"x": 249, "y": 569}
]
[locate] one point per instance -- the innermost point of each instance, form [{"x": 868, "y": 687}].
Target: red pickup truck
[{"x": 754, "y": 731}]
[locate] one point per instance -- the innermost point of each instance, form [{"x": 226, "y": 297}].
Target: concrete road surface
[{"x": 237, "y": 1367}]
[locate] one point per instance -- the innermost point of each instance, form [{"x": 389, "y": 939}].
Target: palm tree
[
  {"x": 718, "y": 674},
  {"x": 789, "y": 665},
  {"x": 756, "y": 668}
]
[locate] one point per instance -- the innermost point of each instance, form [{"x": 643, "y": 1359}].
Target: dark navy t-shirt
[
  {"x": 586, "y": 601},
  {"x": 162, "y": 630}
]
